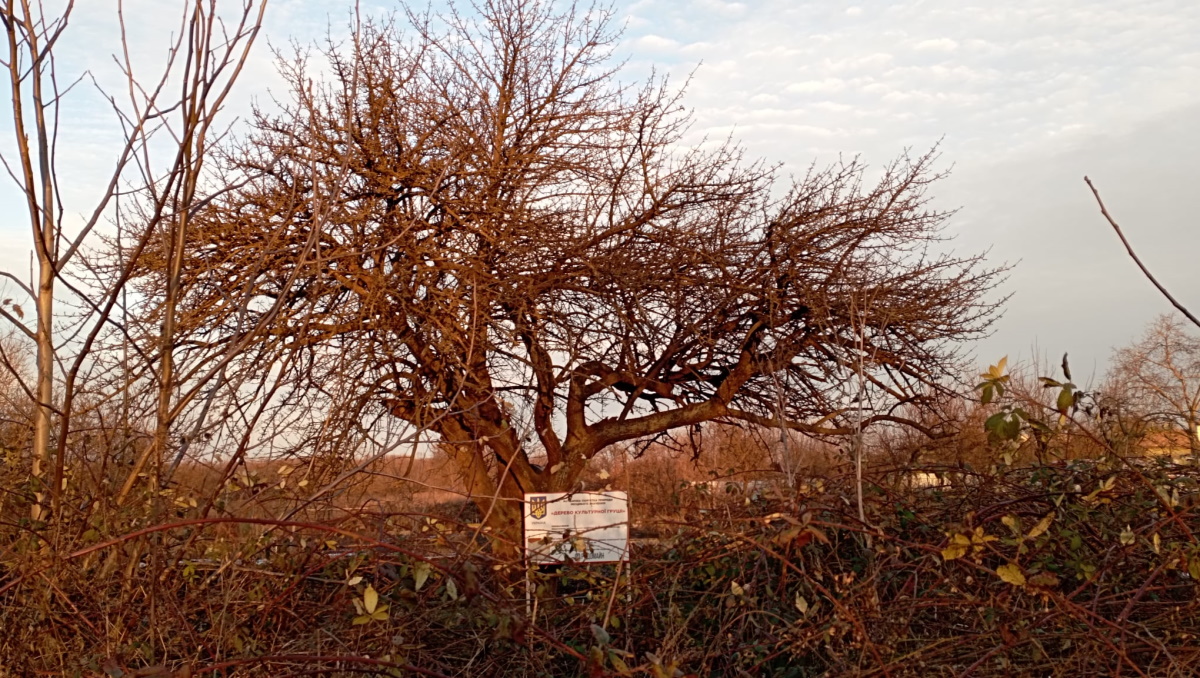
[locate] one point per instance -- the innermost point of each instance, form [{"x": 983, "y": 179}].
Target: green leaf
[
  {"x": 1127, "y": 536},
  {"x": 988, "y": 394},
  {"x": 1012, "y": 428},
  {"x": 994, "y": 423},
  {"x": 1065, "y": 398}
]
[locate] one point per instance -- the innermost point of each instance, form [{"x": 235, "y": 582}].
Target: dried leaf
[
  {"x": 801, "y": 604},
  {"x": 785, "y": 537},
  {"x": 601, "y": 635},
  {"x": 817, "y": 534},
  {"x": 1011, "y": 573},
  {"x": 1043, "y": 580},
  {"x": 420, "y": 575},
  {"x": 736, "y": 588},
  {"x": 353, "y": 581},
  {"x": 618, "y": 663}
]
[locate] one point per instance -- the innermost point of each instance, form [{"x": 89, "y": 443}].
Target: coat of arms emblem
[{"x": 537, "y": 507}]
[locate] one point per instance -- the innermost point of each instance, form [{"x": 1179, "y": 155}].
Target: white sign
[{"x": 583, "y": 527}]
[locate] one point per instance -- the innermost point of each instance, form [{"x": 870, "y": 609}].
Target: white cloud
[
  {"x": 724, "y": 9},
  {"x": 824, "y": 85},
  {"x": 655, "y": 43},
  {"x": 936, "y": 45}
]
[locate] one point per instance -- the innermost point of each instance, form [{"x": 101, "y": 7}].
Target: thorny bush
[{"x": 1060, "y": 569}]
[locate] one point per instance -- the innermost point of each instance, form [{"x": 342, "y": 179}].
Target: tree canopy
[{"x": 473, "y": 222}]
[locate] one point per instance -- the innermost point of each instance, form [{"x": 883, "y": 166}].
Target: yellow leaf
[
  {"x": 1011, "y": 574},
  {"x": 1013, "y": 523},
  {"x": 957, "y": 548},
  {"x": 1041, "y": 527},
  {"x": 736, "y": 588},
  {"x": 1157, "y": 542},
  {"x": 370, "y": 599},
  {"x": 980, "y": 537},
  {"x": 353, "y": 581}
]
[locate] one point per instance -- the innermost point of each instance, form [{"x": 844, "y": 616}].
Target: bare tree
[
  {"x": 202, "y": 61},
  {"x": 1157, "y": 377},
  {"x": 518, "y": 253}
]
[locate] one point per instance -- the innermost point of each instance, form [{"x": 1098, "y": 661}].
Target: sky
[{"x": 1022, "y": 97}]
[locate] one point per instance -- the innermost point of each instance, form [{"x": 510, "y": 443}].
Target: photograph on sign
[{"x": 581, "y": 527}]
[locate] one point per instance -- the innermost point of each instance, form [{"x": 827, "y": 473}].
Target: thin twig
[{"x": 1128, "y": 248}]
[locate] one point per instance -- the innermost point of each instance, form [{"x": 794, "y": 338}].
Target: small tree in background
[{"x": 1157, "y": 378}]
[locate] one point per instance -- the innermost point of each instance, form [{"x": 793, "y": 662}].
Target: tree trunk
[{"x": 45, "y": 379}]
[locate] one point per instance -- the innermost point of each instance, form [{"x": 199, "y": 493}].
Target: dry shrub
[{"x": 775, "y": 583}]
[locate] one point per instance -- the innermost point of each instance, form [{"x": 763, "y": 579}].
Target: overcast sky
[{"x": 1026, "y": 97}]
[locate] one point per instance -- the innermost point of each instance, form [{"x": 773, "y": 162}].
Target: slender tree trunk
[{"x": 45, "y": 374}]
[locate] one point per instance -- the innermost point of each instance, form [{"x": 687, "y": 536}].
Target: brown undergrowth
[{"x": 1063, "y": 569}]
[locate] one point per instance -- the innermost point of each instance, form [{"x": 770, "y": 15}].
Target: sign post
[
  {"x": 576, "y": 527},
  {"x": 579, "y": 527}
]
